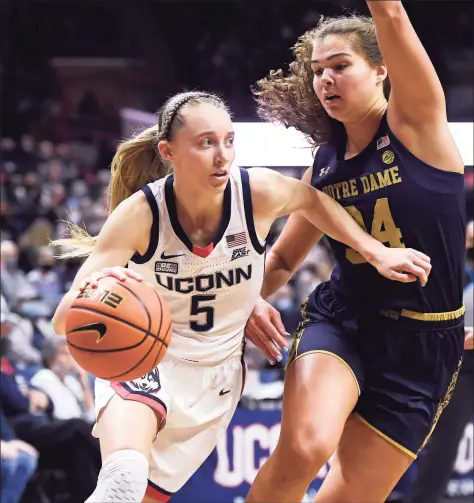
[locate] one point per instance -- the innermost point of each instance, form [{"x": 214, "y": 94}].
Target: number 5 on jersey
[
  {"x": 198, "y": 309},
  {"x": 383, "y": 229}
]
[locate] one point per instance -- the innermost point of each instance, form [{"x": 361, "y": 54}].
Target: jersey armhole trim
[
  {"x": 154, "y": 232},
  {"x": 247, "y": 196}
]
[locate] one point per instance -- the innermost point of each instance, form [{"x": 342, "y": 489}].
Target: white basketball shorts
[{"x": 197, "y": 403}]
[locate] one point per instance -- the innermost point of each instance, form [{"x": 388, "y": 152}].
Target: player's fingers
[
  {"x": 264, "y": 350},
  {"x": 257, "y": 337},
  {"x": 119, "y": 273},
  {"x": 266, "y": 323},
  {"x": 402, "y": 277},
  {"x": 88, "y": 282},
  {"x": 259, "y": 343},
  {"x": 270, "y": 347},
  {"x": 416, "y": 271},
  {"x": 426, "y": 266},
  {"x": 275, "y": 316},
  {"x": 279, "y": 334},
  {"x": 83, "y": 285},
  {"x": 421, "y": 255},
  {"x": 132, "y": 274}
]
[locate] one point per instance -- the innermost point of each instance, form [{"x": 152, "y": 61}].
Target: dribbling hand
[
  {"x": 402, "y": 264},
  {"x": 120, "y": 273},
  {"x": 266, "y": 330}
]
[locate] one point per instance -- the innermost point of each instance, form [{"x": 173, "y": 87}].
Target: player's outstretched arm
[
  {"x": 291, "y": 248},
  {"x": 125, "y": 232},
  {"x": 275, "y": 195},
  {"x": 417, "y": 96}
]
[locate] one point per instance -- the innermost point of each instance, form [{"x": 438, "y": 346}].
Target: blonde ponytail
[{"x": 135, "y": 163}]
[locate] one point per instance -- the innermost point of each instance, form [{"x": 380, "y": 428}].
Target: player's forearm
[
  {"x": 276, "y": 275},
  {"x": 59, "y": 318},
  {"x": 334, "y": 221},
  {"x": 386, "y": 9}
]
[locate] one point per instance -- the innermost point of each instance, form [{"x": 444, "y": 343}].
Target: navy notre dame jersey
[{"x": 402, "y": 202}]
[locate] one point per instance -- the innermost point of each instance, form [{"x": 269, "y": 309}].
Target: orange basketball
[{"x": 119, "y": 331}]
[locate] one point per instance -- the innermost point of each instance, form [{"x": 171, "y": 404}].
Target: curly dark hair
[{"x": 290, "y": 99}]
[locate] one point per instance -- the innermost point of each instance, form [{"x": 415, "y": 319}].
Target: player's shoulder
[{"x": 134, "y": 212}]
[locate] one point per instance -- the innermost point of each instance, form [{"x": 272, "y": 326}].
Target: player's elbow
[{"x": 281, "y": 262}]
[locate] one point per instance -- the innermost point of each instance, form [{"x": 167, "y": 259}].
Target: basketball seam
[
  {"x": 114, "y": 350},
  {"x": 159, "y": 351},
  {"x": 137, "y": 364},
  {"x": 125, "y": 322},
  {"x": 141, "y": 302}
]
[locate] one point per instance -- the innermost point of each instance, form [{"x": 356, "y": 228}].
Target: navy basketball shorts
[{"x": 405, "y": 364}]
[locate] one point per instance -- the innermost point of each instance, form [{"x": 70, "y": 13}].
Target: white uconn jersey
[{"x": 211, "y": 291}]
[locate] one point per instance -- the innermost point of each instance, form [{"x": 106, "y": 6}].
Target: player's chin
[{"x": 337, "y": 113}]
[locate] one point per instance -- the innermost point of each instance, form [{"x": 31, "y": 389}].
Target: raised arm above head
[{"x": 417, "y": 105}]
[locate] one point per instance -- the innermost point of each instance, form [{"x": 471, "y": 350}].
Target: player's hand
[
  {"x": 469, "y": 338},
  {"x": 120, "y": 273},
  {"x": 266, "y": 330},
  {"x": 402, "y": 264}
]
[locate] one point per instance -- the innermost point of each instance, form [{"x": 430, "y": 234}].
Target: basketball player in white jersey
[{"x": 197, "y": 235}]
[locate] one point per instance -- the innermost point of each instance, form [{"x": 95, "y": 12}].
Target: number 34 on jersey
[{"x": 383, "y": 229}]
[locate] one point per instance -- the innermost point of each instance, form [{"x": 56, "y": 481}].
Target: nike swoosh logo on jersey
[
  {"x": 169, "y": 257},
  {"x": 224, "y": 392},
  {"x": 101, "y": 328}
]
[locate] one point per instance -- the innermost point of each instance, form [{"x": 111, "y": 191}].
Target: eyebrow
[
  {"x": 332, "y": 56},
  {"x": 206, "y": 133}
]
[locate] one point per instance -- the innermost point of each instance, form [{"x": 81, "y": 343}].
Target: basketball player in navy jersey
[{"x": 374, "y": 362}]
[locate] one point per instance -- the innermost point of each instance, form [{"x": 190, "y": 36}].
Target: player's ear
[
  {"x": 164, "y": 148},
  {"x": 381, "y": 73}
]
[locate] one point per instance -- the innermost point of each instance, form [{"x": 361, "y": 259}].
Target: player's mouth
[
  {"x": 221, "y": 175},
  {"x": 331, "y": 98},
  {"x": 220, "y": 178}
]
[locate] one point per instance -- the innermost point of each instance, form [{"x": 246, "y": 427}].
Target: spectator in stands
[
  {"x": 46, "y": 279},
  {"x": 18, "y": 463},
  {"x": 23, "y": 350},
  {"x": 18, "y": 459},
  {"x": 65, "y": 445},
  {"x": 15, "y": 286},
  {"x": 64, "y": 382}
]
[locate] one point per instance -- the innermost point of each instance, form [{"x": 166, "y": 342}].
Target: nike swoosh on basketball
[
  {"x": 169, "y": 257},
  {"x": 101, "y": 328},
  {"x": 224, "y": 392}
]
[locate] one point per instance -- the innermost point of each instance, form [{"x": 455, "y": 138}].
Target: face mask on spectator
[
  {"x": 11, "y": 263},
  {"x": 283, "y": 304}
]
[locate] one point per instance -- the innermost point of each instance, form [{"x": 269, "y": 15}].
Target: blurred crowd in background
[{"x": 68, "y": 70}]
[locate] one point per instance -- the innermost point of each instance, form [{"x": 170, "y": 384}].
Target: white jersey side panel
[{"x": 211, "y": 292}]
